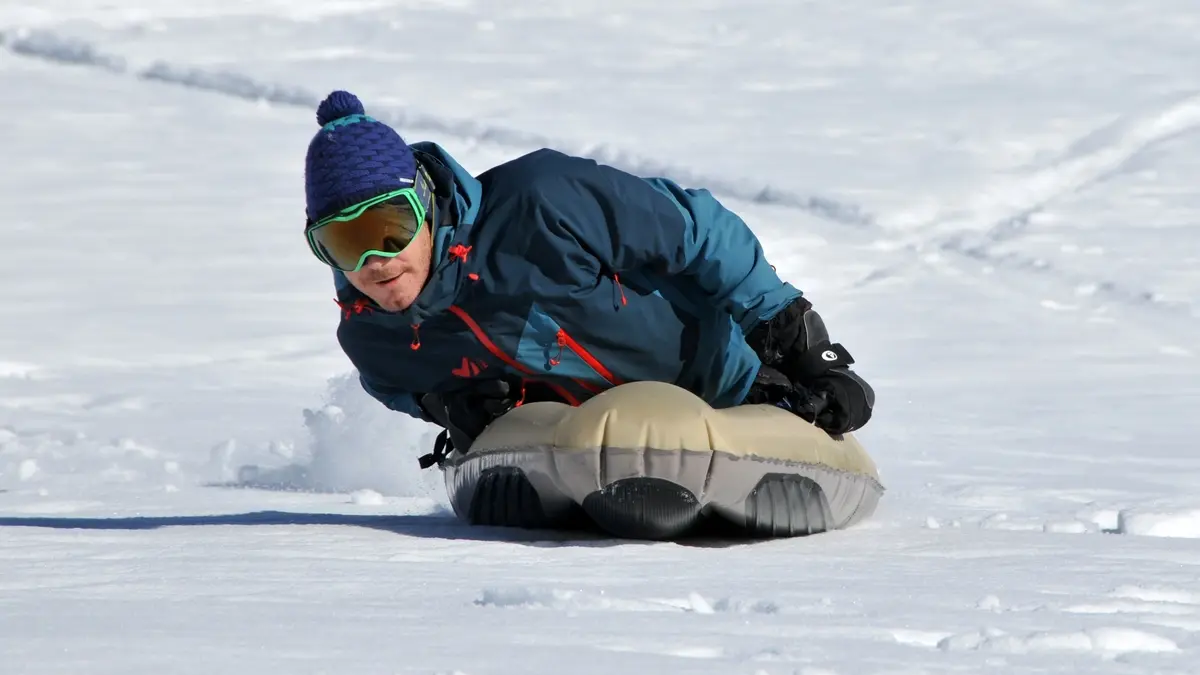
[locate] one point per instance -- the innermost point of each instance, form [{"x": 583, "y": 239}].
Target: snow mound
[
  {"x": 1160, "y": 521},
  {"x": 1103, "y": 641},
  {"x": 17, "y": 370},
  {"x": 1157, "y": 594},
  {"x": 574, "y": 600},
  {"x": 39, "y": 461},
  {"x": 358, "y": 446}
]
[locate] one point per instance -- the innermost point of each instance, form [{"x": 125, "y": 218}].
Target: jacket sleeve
[
  {"x": 395, "y": 399},
  {"x": 653, "y": 224}
]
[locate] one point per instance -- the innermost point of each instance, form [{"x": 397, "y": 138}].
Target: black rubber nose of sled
[
  {"x": 643, "y": 508},
  {"x": 504, "y": 497}
]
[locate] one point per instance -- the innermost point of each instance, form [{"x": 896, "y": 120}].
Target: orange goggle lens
[{"x": 384, "y": 229}]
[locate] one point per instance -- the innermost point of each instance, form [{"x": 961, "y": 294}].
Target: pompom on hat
[{"x": 353, "y": 158}]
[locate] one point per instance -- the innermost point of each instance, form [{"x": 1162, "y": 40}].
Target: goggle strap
[{"x": 424, "y": 190}]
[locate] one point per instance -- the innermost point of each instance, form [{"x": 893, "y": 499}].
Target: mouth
[{"x": 387, "y": 281}]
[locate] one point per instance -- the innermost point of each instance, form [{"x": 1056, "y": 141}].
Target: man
[{"x": 551, "y": 277}]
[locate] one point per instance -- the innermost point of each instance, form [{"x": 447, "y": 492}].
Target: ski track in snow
[
  {"x": 1002, "y": 211},
  {"x": 58, "y": 49},
  {"x": 996, "y": 214}
]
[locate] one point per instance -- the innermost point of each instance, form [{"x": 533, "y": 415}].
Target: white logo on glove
[{"x": 829, "y": 355}]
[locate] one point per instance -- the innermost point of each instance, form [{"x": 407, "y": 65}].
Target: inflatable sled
[{"x": 648, "y": 460}]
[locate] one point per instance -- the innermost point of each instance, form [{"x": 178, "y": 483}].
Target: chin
[{"x": 394, "y": 303}]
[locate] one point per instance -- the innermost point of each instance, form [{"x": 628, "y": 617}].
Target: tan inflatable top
[{"x": 654, "y": 415}]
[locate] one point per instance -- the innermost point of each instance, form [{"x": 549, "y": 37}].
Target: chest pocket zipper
[
  {"x": 495, "y": 350},
  {"x": 565, "y": 341}
]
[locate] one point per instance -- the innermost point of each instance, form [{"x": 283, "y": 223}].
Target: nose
[{"x": 374, "y": 261}]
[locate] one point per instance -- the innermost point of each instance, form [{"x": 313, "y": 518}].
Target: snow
[
  {"x": 1105, "y": 641},
  {"x": 1157, "y": 521},
  {"x": 993, "y": 205}
]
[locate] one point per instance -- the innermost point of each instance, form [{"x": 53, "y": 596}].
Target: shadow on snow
[
  {"x": 446, "y": 527},
  {"x": 424, "y": 526}
]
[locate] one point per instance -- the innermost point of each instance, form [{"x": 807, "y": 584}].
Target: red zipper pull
[
  {"x": 416, "y": 341},
  {"x": 620, "y": 289},
  {"x": 459, "y": 252},
  {"x": 562, "y": 343}
]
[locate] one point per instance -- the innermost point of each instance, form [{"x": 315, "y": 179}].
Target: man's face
[{"x": 395, "y": 283}]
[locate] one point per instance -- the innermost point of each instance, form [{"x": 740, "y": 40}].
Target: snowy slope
[{"x": 994, "y": 207}]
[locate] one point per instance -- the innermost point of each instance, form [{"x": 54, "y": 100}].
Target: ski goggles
[{"x": 382, "y": 226}]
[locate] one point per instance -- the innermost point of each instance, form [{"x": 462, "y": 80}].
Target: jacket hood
[{"x": 468, "y": 192}]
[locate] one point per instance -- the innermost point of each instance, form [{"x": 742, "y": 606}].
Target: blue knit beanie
[{"x": 353, "y": 158}]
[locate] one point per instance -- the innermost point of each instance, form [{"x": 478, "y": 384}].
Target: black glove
[
  {"x": 848, "y": 400},
  {"x": 466, "y": 413},
  {"x": 795, "y": 349}
]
